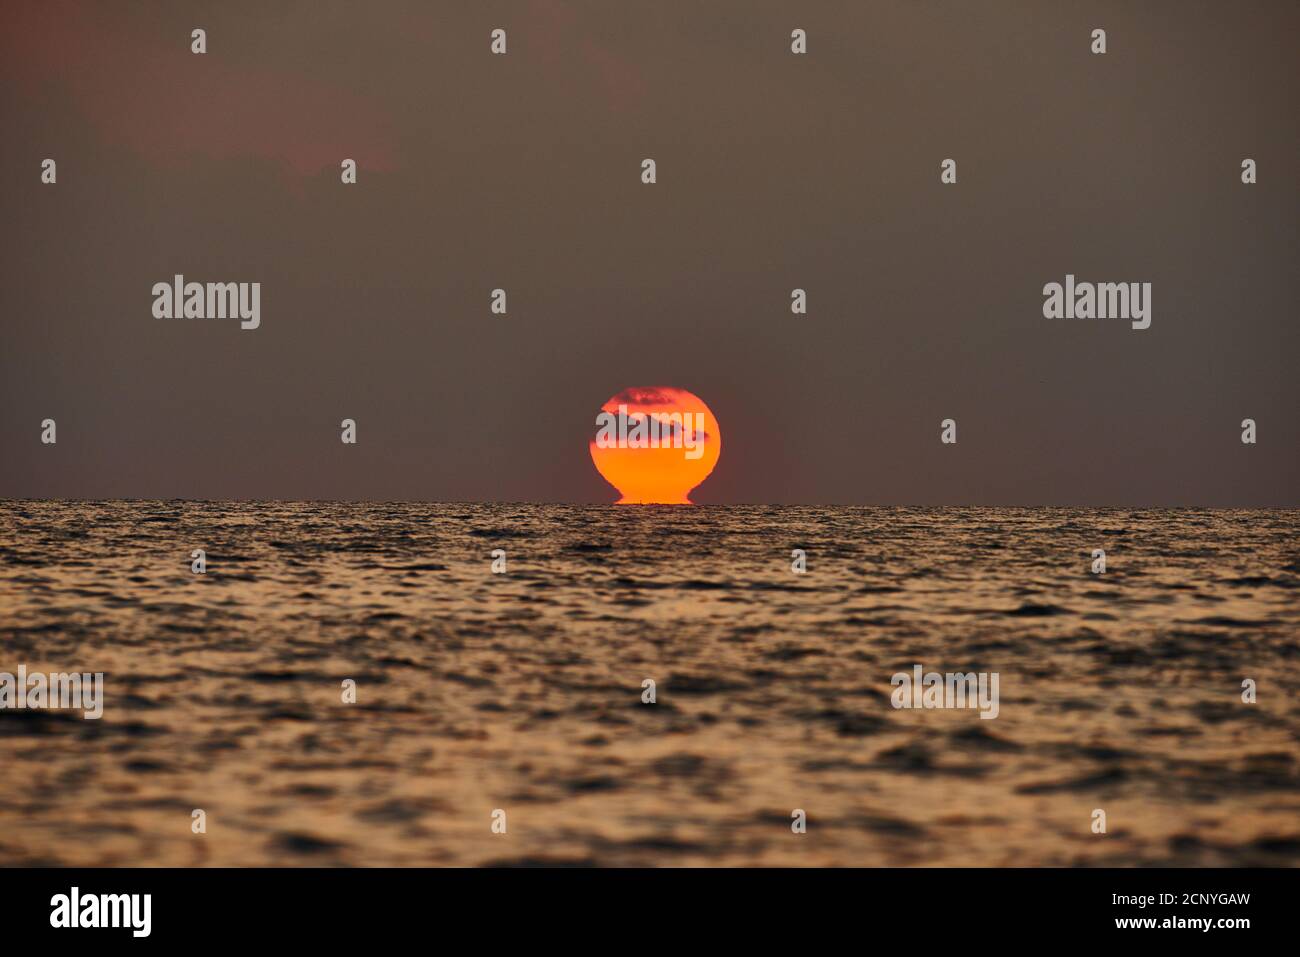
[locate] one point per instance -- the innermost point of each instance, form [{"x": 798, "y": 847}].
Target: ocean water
[{"x": 522, "y": 692}]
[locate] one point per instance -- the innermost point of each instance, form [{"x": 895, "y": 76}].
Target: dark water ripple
[{"x": 478, "y": 691}]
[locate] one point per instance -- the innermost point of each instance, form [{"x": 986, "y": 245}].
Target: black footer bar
[{"x": 657, "y": 907}]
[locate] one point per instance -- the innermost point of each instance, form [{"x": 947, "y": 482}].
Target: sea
[{"x": 417, "y": 684}]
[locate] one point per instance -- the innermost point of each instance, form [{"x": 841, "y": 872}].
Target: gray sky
[{"x": 775, "y": 171}]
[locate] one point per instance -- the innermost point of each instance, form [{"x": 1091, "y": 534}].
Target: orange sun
[{"x": 655, "y": 444}]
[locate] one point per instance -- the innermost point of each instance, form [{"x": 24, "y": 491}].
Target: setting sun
[{"x": 655, "y": 444}]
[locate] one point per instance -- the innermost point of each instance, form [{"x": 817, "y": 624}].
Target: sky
[{"x": 775, "y": 171}]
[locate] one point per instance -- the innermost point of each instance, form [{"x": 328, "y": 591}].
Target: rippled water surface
[{"x": 522, "y": 691}]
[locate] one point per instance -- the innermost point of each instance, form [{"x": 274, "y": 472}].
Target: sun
[{"x": 655, "y": 444}]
